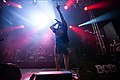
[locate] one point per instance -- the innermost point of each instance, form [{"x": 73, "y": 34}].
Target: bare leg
[
  {"x": 66, "y": 61},
  {"x": 57, "y": 61}
]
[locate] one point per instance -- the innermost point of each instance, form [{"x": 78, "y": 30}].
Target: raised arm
[
  {"x": 61, "y": 16},
  {"x": 52, "y": 26}
]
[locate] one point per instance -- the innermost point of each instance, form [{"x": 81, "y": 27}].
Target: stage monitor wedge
[{"x": 54, "y": 75}]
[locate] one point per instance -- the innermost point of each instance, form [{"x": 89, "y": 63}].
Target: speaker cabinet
[{"x": 54, "y": 75}]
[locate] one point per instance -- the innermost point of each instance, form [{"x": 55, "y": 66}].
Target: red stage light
[
  {"x": 85, "y": 8},
  {"x": 99, "y": 5},
  {"x": 65, "y": 7},
  {"x": 69, "y": 3},
  {"x": 19, "y": 6},
  {"x": 70, "y": 26}
]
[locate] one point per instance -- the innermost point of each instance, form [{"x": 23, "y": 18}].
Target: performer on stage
[{"x": 61, "y": 47}]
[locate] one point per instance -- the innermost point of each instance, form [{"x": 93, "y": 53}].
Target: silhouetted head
[{"x": 9, "y": 71}]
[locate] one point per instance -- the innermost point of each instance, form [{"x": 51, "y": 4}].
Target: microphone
[{"x": 57, "y": 21}]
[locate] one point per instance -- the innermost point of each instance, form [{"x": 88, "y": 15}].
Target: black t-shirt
[{"x": 61, "y": 34}]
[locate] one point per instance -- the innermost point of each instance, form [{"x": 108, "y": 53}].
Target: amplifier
[{"x": 54, "y": 75}]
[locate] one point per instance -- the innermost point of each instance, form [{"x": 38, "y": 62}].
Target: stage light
[
  {"x": 103, "y": 17},
  {"x": 65, "y": 7},
  {"x": 85, "y": 8},
  {"x": 70, "y": 26},
  {"x": 19, "y": 6},
  {"x": 77, "y": 1},
  {"x": 101, "y": 5},
  {"x": 69, "y": 3},
  {"x": 22, "y": 26},
  {"x": 18, "y": 27},
  {"x": 39, "y": 19},
  {"x": 34, "y": 0},
  {"x": 4, "y": 1}
]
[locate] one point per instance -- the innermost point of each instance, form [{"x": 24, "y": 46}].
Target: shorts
[{"x": 61, "y": 48}]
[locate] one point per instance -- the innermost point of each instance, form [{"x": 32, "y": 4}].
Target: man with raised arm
[{"x": 62, "y": 40}]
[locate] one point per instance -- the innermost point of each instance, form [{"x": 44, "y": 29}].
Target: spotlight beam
[
  {"x": 6, "y": 20},
  {"x": 104, "y": 17}
]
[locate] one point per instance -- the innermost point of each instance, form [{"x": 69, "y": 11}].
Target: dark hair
[{"x": 9, "y": 71}]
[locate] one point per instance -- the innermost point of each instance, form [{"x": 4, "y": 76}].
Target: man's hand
[
  {"x": 57, "y": 21},
  {"x": 58, "y": 7}
]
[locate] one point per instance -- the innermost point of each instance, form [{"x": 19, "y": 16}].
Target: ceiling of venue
[{"x": 75, "y": 8}]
